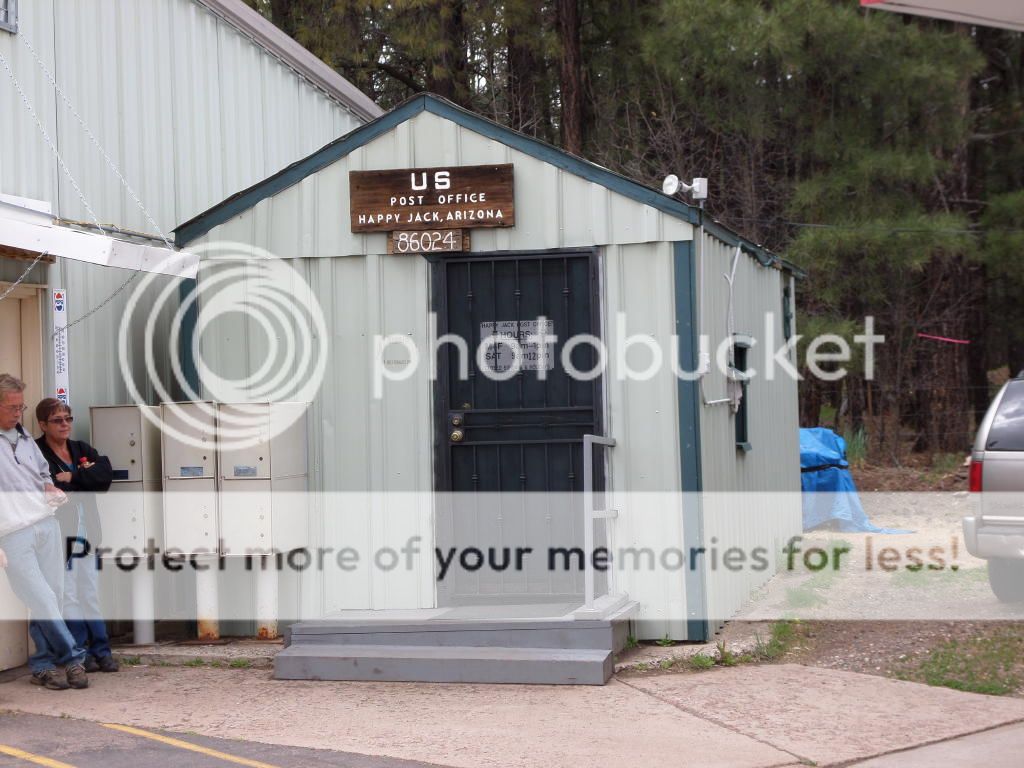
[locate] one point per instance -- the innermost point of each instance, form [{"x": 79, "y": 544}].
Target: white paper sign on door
[{"x": 536, "y": 356}]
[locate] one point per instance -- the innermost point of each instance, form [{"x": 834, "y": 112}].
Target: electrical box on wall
[
  {"x": 189, "y": 442},
  {"x": 263, "y": 477},
  {"x": 131, "y": 510}
]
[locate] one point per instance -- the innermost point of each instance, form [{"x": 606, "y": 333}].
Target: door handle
[{"x": 457, "y": 435}]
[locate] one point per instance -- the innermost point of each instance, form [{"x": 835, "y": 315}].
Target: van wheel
[{"x": 1006, "y": 577}]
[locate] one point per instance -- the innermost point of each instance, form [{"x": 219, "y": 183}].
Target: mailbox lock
[{"x": 457, "y": 435}]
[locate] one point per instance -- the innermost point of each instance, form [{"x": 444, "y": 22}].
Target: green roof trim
[{"x": 427, "y": 102}]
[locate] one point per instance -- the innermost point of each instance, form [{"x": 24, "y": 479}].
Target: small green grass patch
[{"x": 993, "y": 665}]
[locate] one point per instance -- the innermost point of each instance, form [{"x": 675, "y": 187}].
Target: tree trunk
[
  {"x": 571, "y": 75},
  {"x": 282, "y": 16},
  {"x": 523, "y": 69},
  {"x": 446, "y": 74}
]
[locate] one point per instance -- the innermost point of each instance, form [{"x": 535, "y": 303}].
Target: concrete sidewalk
[{"x": 757, "y": 716}]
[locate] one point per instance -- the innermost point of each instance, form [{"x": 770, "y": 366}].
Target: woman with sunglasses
[{"x": 80, "y": 471}]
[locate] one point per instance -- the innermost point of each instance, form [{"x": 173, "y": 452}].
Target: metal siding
[
  {"x": 189, "y": 110},
  {"x": 643, "y": 420},
  {"x": 554, "y": 208},
  {"x": 751, "y": 499},
  {"x": 359, "y": 444},
  {"x": 27, "y": 167},
  {"x": 386, "y": 444}
]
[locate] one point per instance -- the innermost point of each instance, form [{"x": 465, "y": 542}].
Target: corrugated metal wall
[
  {"x": 368, "y": 445},
  {"x": 188, "y": 108},
  {"x": 27, "y": 167},
  {"x": 751, "y": 499},
  {"x": 554, "y": 208},
  {"x": 643, "y": 419}
]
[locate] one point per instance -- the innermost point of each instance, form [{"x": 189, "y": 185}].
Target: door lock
[
  {"x": 457, "y": 435},
  {"x": 457, "y": 420}
]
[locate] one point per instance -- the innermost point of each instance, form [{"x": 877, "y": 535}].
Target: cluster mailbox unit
[
  {"x": 263, "y": 477},
  {"x": 130, "y": 436},
  {"x": 233, "y": 481},
  {"x": 190, "y": 477}
]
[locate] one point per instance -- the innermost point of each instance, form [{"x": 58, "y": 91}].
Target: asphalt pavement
[{"x": 64, "y": 742}]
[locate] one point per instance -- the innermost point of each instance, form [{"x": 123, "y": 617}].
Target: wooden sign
[
  {"x": 456, "y": 197},
  {"x": 428, "y": 241}
]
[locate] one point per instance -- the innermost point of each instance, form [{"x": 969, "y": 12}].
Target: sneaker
[
  {"x": 54, "y": 679},
  {"x": 105, "y": 664},
  {"x": 91, "y": 665},
  {"x": 76, "y": 676}
]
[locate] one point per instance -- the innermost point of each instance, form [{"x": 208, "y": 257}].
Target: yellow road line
[
  {"x": 187, "y": 745},
  {"x": 37, "y": 759}
]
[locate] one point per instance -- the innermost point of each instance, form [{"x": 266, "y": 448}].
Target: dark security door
[{"x": 509, "y": 452}]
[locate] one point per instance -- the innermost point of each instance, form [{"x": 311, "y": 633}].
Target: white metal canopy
[
  {"x": 1005, "y": 14},
  {"x": 27, "y": 225}
]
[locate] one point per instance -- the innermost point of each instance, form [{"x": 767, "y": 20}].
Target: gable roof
[
  {"x": 252, "y": 24},
  {"x": 428, "y": 102}
]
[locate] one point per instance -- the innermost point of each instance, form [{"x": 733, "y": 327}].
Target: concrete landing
[
  {"x": 444, "y": 664},
  {"x": 537, "y": 644}
]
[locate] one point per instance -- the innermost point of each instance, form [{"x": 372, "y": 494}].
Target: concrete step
[
  {"x": 444, "y": 664},
  {"x": 553, "y": 634}
]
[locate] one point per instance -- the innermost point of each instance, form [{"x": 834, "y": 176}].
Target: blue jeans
[
  {"x": 35, "y": 571},
  {"x": 82, "y": 610}
]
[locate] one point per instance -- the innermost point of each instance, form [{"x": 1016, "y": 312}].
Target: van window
[{"x": 1007, "y": 432}]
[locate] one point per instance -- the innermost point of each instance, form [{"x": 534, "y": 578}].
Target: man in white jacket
[{"x": 30, "y": 545}]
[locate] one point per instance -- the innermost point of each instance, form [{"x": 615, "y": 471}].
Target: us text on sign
[{"x": 456, "y": 197}]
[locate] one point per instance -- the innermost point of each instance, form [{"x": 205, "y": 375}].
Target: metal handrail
[{"x": 591, "y": 515}]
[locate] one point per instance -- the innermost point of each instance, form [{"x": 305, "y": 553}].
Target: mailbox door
[
  {"x": 288, "y": 430},
  {"x": 291, "y": 513},
  {"x": 117, "y": 434},
  {"x": 190, "y": 516},
  {"x": 123, "y": 517},
  {"x": 245, "y": 516},
  {"x": 189, "y": 441},
  {"x": 245, "y": 441}
]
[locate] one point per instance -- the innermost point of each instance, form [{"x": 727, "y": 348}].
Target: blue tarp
[{"x": 830, "y": 498}]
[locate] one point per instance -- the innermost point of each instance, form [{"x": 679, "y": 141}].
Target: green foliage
[
  {"x": 990, "y": 665},
  {"x": 700, "y": 662},
  {"x": 783, "y": 635},
  {"x": 856, "y": 446},
  {"x": 726, "y": 658},
  {"x": 883, "y": 153}
]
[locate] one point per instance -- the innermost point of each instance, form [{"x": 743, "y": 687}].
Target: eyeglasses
[
  {"x": 14, "y": 408},
  {"x": 62, "y": 420}
]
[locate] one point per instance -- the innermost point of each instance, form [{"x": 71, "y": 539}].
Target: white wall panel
[
  {"x": 27, "y": 166},
  {"x": 188, "y": 109},
  {"x": 643, "y": 419},
  {"x": 751, "y": 498},
  {"x": 554, "y": 208}
]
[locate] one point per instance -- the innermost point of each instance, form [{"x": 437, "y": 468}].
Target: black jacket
[{"x": 93, "y": 480}]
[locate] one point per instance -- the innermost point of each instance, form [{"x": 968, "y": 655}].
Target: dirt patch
[
  {"x": 979, "y": 656},
  {"x": 984, "y": 657},
  {"x": 917, "y": 473}
]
